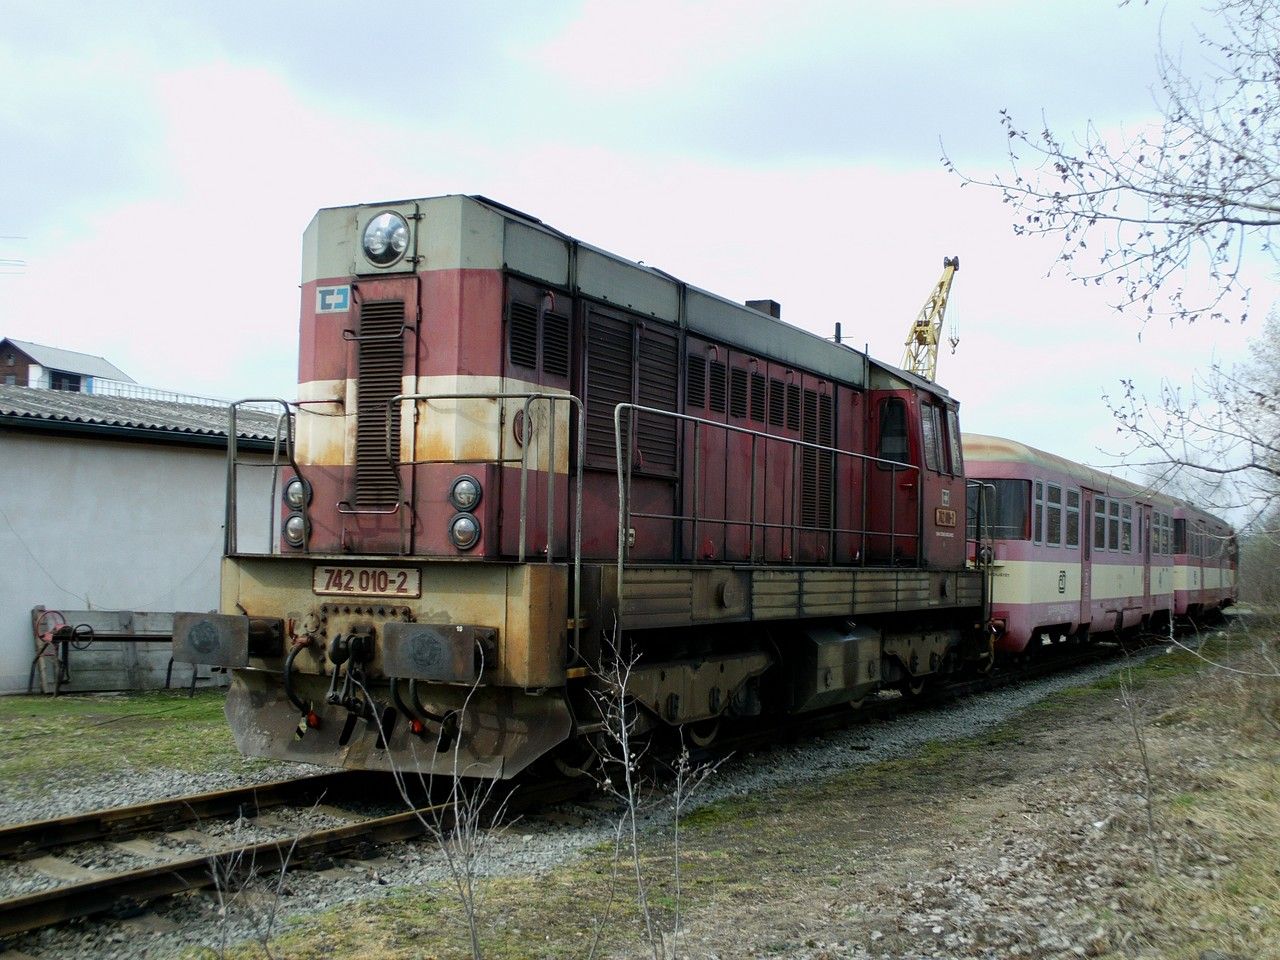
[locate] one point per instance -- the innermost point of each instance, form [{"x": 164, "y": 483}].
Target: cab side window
[{"x": 893, "y": 431}]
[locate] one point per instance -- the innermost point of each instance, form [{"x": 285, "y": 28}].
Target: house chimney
[{"x": 772, "y": 307}]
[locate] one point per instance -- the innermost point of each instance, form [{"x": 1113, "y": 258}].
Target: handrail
[
  {"x": 624, "y": 484},
  {"x": 529, "y": 399},
  {"x": 982, "y": 561},
  {"x": 233, "y": 460}
]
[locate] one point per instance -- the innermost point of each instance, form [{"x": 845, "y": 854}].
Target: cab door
[{"x": 893, "y": 483}]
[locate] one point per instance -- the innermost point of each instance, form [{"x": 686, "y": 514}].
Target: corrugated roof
[
  {"x": 127, "y": 413},
  {"x": 69, "y": 361}
]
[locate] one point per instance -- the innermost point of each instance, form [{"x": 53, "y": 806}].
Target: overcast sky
[{"x": 160, "y": 164}]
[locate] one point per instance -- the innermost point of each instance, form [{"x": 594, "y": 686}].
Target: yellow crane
[{"x": 921, "y": 357}]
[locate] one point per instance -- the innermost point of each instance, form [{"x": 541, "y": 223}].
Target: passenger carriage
[{"x": 1077, "y": 551}]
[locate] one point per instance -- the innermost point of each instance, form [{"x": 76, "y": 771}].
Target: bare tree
[
  {"x": 1221, "y": 433},
  {"x": 1191, "y": 197}
]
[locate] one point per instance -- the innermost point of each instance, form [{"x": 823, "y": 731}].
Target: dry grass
[{"x": 807, "y": 865}]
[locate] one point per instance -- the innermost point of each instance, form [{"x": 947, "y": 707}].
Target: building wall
[
  {"x": 100, "y": 524},
  {"x": 18, "y": 370}
]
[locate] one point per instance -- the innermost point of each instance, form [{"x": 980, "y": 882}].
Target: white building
[{"x": 116, "y": 503}]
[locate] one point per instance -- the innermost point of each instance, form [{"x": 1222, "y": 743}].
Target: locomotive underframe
[{"x": 718, "y": 642}]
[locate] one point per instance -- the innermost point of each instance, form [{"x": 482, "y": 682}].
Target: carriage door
[
  {"x": 1148, "y": 605},
  {"x": 1086, "y": 558}
]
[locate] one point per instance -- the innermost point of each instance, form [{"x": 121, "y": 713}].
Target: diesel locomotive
[{"x": 516, "y": 459}]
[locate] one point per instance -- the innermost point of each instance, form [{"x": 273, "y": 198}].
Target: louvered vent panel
[
  {"x": 696, "y": 388},
  {"x": 381, "y": 366},
  {"x": 757, "y": 397},
  {"x": 657, "y": 387},
  {"x": 777, "y": 403},
  {"x": 809, "y": 462},
  {"x": 522, "y": 334},
  {"x": 737, "y": 392},
  {"x": 717, "y": 386},
  {"x": 609, "y": 366},
  {"x": 555, "y": 345},
  {"x": 793, "y": 406},
  {"x": 826, "y": 461}
]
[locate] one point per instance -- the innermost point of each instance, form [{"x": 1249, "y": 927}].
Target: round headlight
[
  {"x": 386, "y": 238},
  {"x": 465, "y": 493},
  {"x": 295, "y": 529},
  {"x": 464, "y": 531},
  {"x": 297, "y": 494}
]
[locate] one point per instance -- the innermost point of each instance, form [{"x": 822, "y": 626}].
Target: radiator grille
[
  {"x": 793, "y": 406},
  {"x": 757, "y": 397},
  {"x": 381, "y": 366},
  {"x": 696, "y": 391},
  {"x": 657, "y": 382},
  {"x": 522, "y": 335},
  {"x": 777, "y": 403},
  {"x": 608, "y": 384},
  {"x": 555, "y": 345},
  {"x": 737, "y": 392},
  {"x": 717, "y": 386}
]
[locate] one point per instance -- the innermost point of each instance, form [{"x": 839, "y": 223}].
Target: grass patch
[{"x": 46, "y": 740}]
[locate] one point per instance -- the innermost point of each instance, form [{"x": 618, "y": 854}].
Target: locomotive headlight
[
  {"x": 297, "y": 494},
  {"x": 295, "y": 529},
  {"x": 465, "y": 493},
  {"x": 386, "y": 238},
  {"x": 464, "y": 531}
]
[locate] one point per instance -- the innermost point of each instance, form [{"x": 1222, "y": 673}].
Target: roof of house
[
  {"x": 68, "y": 361},
  {"x": 130, "y": 418}
]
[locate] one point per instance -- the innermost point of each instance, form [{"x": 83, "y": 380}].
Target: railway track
[
  {"x": 87, "y": 892},
  {"x": 91, "y": 892}
]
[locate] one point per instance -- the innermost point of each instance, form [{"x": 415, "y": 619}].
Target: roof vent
[{"x": 771, "y": 307}]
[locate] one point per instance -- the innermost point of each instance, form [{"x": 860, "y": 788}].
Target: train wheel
[
  {"x": 704, "y": 733},
  {"x": 915, "y": 687},
  {"x": 577, "y": 760}
]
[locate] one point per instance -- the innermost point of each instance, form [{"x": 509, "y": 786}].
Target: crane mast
[{"x": 921, "y": 357}]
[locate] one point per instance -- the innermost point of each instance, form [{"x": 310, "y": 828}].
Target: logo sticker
[{"x": 333, "y": 299}]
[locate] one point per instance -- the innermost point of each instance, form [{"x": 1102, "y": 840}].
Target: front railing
[
  {"x": 527, "y": 435},
  {"x": 283, "y": 433},
  {"x": 794, "y": 526}
]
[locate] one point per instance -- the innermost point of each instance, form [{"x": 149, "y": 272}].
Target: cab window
[{"x": 893, "y": 431}]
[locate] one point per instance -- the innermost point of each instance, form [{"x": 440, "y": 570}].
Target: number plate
[{"x": 367, "y": 582}]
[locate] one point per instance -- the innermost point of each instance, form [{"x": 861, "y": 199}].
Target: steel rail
[
  {"x": 27, "y": 839},
  {"x": 130, "y": 888}
]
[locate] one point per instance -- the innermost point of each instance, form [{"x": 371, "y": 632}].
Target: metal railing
[
  {"x": 793, "y": 528},
  {"x": 526, "y": 436},
  {"x": 284, "y": 423}
]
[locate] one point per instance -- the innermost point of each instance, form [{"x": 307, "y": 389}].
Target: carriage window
[
  {"x": 1037, "y": 516},
  {"x": 953, "y": 434},
  {"x": 1073, "y": 518},
  {"x": 1099, "y": 523},
  {"x": 1004, "y": 509},
  {"x": 1053, "y": 516},
  {"x": 893, "y": 432},
  {"x": 1179, "y": 536},
  {"x": 1113, "y": 524},
  {"x": 1126, "y": 528}
]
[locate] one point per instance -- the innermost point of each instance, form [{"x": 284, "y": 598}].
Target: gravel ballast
[{"x": 530, "y": 847}]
